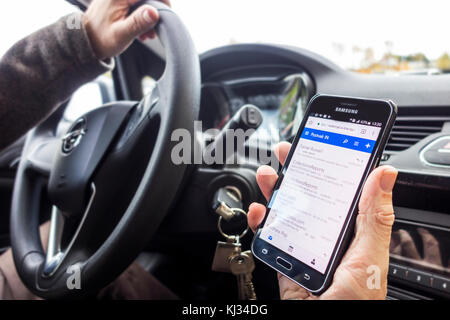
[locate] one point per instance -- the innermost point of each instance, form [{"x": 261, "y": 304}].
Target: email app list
[{"x": 312, "y": 203}]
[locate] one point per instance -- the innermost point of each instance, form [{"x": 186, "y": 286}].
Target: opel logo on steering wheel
[{"x": 73, "y": 138}]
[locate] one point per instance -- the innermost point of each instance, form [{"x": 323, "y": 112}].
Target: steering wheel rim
[{"x": 176, "y": 107}]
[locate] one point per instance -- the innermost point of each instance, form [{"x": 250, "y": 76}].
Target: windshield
[{"x": 382, "y": 36}]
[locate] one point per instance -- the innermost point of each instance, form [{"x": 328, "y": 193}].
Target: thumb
[
  {"x": 139, "y": 22},
  {"x": 376, "y": 211}
]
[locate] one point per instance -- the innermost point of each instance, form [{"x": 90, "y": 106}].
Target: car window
[
  {"x": 19, "y": 18},
  {"x": 383, "y": 36},
  {"x": 23, "y": 17},
  {"x": 386, "y": 37}
]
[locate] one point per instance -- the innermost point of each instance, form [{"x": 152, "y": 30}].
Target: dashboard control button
[
  {"x": 419, "y": 277},
  {"x": 441, "y": 284},
  {"x": 397, "y": 271}
]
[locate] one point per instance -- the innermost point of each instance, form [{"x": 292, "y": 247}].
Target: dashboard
[
  {"x": 282, "y": 101},
  {"x": 280, "y": 81}
]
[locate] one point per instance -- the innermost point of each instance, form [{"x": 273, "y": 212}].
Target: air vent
[{"x": 415, "y": 124}]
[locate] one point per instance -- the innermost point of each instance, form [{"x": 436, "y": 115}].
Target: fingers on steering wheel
[
  {"x": 148, "y": 35},
  {"x": 133, "y": 2},
  {"x": 141, "y": 21}
]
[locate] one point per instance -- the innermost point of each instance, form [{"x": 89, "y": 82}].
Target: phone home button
[{"x": 284, "y": 263}]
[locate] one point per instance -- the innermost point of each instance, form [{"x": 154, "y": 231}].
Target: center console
[{"x": 420, "y": 245}]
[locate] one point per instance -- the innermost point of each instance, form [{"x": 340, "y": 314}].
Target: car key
[
  {"x": 224, "y": 252},
  {"x": 229, "y": 258},
  {"x": 242, "y": 265},
  {"x": 225, "y": 200},
  {"x": 249, "y": 287}
]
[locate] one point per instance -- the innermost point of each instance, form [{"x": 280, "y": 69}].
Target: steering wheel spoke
[
  {"x": 155, "y": 105},
  {"x": 56, "y": 249},
  {"x": 39, "y": 159}
]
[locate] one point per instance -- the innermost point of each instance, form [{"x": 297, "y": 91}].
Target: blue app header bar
[{"x": 339, "y": 140}]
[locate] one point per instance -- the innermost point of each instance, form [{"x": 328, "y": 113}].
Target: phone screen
[{"x": 310, "y": 207}]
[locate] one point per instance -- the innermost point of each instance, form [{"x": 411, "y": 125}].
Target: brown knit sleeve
[{"x": 42, "y": 71}]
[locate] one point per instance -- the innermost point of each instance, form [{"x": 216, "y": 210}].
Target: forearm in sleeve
[{"x": 42, "y": 71}]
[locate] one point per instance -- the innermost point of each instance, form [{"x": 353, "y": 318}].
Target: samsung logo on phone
[{"x": 346, "y": 110}]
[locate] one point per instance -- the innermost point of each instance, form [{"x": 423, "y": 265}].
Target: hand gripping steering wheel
[{"x": 110, "y": 181}]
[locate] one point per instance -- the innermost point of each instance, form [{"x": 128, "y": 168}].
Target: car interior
[{"x": 173, "y": 232}]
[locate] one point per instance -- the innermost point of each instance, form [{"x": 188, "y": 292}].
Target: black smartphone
[{"x": 311, "y": 214}]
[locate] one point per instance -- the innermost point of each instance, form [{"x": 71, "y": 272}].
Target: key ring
[{"x": 228, "y": 237}]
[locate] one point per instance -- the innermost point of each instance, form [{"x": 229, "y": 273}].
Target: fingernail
[
  {"x": 388, "y": 179},
  {"x": 147, "y": 17}
]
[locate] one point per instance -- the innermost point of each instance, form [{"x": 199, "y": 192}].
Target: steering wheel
[{"x": 110, "y": 182}]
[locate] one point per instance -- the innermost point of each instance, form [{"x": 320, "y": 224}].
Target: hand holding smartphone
[{"x": 310, "y": 216}]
